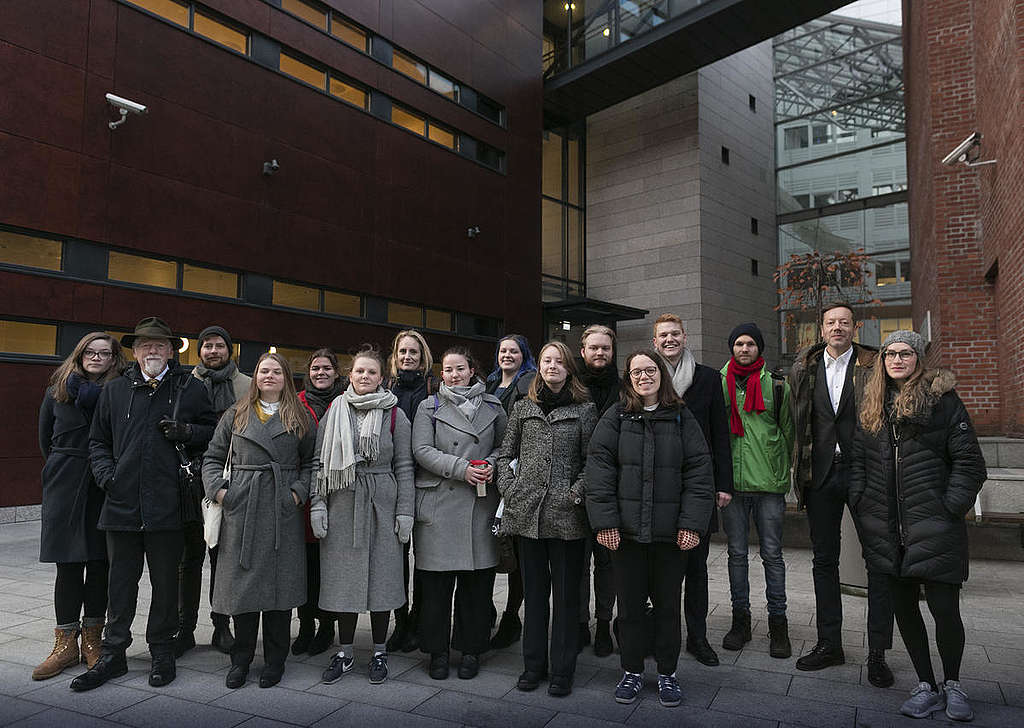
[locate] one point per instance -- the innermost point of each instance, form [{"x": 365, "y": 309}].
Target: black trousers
[
  {"x": 309, "y": 610},
  {"x": 695, "y": 590},
  {"x": 604, "y": 582},
  {"x": 80, "y": 590},
  {"x": 825, "y": 505},
  {"x": 551, "y": 568},
  {"x": 190, "y": 579},
  {"x": 653, "y": 570},
  {"x": 473, "y": 590},
  {"x": 126, "y": 551},
  {"x": 276, "y": 627},
  {"x": 347, "y": 622},
  {"x": 944, "y": 604}
]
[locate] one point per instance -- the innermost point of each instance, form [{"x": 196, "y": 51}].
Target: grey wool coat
[
  {"x": 453, "y": 524},
  {"x": 545, "y": 498},
  {"x": 261, "y": 561},
  {"x": 361, "y": 556}
]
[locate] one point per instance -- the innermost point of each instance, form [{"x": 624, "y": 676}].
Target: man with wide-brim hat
[{"x": 139, "y": 420}]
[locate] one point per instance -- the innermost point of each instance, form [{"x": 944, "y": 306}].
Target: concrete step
[
  {"x": 1003, "y": 452},
  {"x": 1003, "y": 494}
]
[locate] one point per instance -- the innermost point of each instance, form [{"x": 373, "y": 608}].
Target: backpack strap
[
  {"x": 778, "y": 391},
  {"x": 393, "y": 419}
]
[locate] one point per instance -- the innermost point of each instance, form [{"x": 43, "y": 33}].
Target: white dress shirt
[{"x": 835, "y": 378}]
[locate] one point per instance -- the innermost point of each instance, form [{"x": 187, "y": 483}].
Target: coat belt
[
  {"x": 362, "y": 502},
  {"x": 252, "y": 506}
]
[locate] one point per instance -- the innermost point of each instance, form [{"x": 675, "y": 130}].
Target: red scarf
[{"x": 753, "y": 401}]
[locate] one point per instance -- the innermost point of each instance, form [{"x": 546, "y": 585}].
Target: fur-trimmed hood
[{"x": 936, "y": 383}]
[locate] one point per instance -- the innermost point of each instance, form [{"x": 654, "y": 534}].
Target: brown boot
[
  {"x": 92, "y": 641},
  {"x": 65, "y": 654}
]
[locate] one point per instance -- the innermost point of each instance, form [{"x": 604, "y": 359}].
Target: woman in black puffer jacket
[
  {"x": 650, "y": 491},
  {"x": 917, "y": 469}
]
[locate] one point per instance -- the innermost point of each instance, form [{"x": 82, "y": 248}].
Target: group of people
[{"x": 311, "y": 499}]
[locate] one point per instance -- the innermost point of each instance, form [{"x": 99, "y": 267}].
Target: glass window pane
[
  {"x": 218, "y": 31},
  {"x": 551, "y": 165},
  {"x": 145, "y": 271},
  {"x": 174, "y": 11},
  {"x": 209, "y": 281},
  {"x": 399, "y": 313},
  {"x": 347, "y": 92},
  {"x": 408, "y": 120},
  {"x": 307, "y": 12},
  {"x": 303, "y": 71},
  {"x": 575, "y": 261},
  {"x": 441, "y": 136},
  {"x": 573, "y": 164},
  {"x": 551, "y": 238},
  {"x": 490, "y": 156},
  {"x": 489, "y": 109},
  {"x": 443, "y": 85},
  {"x": 29, "y": 251},
  {"x": 343, "y": 304},
  {"x": 795, "y": 138},
  {"x": 885, "y": 272},
  {"x": 293, "y": 296},
  {"x": 409, "y": 66},
  {"x": 20, "y": 337},
  {"x": 348, "y": 33},
  {"x": 296, "y": 358},
  {"x": 440, "y": 320}
]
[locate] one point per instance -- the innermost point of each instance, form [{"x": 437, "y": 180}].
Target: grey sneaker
[
  {"x": 923, "y": 701},
  {"x": 340, "y": 664},
  {"x": 957, "y": 707},
  {"x": 629, "y": 687},
  {"x": 379, "y": 668}
]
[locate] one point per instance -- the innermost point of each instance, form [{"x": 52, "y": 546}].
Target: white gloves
[
  {"x": 318, "y": 519},
  {"x": 403, "y": 527}
]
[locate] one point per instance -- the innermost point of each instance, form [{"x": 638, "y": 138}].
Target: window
[
  {"x": 20, "y": 337},
  {"x": 753, "y": 267},
  {"x": 440, "y": 320},
  {"x": 725, "y": 155},
  {"x": 174, "y": 11},
  {"x": 209, "y": 281},
  {"x": 293, "y": 296},
  {"x": 821, "y": 199},
  {"x": 884, "y": 134},
  {"x": 821, "y": 134},
  {"x": 886, "y": 189},
  {"x": 141, "y": 270},
  {"x": 803, "y": 200},
  {"x": 846, "y": 136},
  {"x": 347, "y": 92},
  {"x": 885, "y": 272},
  {"x": 752, "y": 102},
  {"x": 443, "y": 85},
  {"x": 296, "y": 358},
  {"x": 846, "y": 194},
  {"x": 343, "y": 304},
  {"x": 29, "y": 251},
  {"x": 441, "y": 135},
  {"x": 303, "y": 71},
  {"x": 409, "y": 66},
  {"x": 551, "y": 165},
  {"x": 348, "y": 33},
  {"x": 753, "y": 226},
  {"x": 795, "y": 138},
  {"x": 408, "y": 120},
  {"x": 890, "y": 325},
  {"x": 489, "y": 156},
  {"x": 217, "y": 31},
  {"x": 488, "y": 109},
  {"x": 399, "y": 313},
  {"x": 306, "y": 11}
]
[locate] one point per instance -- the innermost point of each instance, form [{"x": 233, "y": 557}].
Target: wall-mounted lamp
[
  {"x": 472, "y": 231},
  {"x": 125, "y": 106},
  {"x": 271, "y": 167},
  {"x": 566, "y": 326},
  {"x": 184, "y": 345}
]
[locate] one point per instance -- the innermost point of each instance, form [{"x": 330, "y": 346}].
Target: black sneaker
[
  {"x": 379, "y": 668},
  {"x": 822, "y": 655},
  {"x": 669, "y": 693},
  {"x": 340, "y": 664},
  {"x": 629, "y": 687}
]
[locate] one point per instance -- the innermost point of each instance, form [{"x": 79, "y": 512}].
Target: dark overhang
[
  {"x": 581, "y": 310},
  {"x": 707, "y": 33}
]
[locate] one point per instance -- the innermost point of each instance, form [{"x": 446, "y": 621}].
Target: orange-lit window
[
  {"x": 303, "y": 71},
  {"x": 29, "y": 251},
  {"x": 20, "y": 337},
  {"x": 408, "y": 120},
  {"x": 296, "y": 358},
  {"x": 441, "y": 135},
  {"x": 307, "y": 12},
  {"x": 188, "y": 351},
  {"x": 293, "y": 296},
  {"x": 145, "y": 271},
  {"x": 169, "y": 9},
  {"x": 349, "y": 33},
  {"x": 224, "y": 34},
  {"x": 440, "y": 320},
  {"x": 443, "y": 85},
  {"x": 209, "y": 281},
  {"x": 409, "y": 66},
  {"x": 399, "y": 313},
  {"x": 343, "y": 304},
  {"x": 347, "y": 92}
]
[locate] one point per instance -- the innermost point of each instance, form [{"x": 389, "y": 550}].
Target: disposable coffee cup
[{"x": 481, "y": 488}]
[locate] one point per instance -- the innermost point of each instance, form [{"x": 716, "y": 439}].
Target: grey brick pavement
[{"x": 748, "y": 690}]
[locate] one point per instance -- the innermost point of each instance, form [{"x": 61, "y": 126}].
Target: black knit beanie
[
  {"x": 216, "y": 331},
  {"x": 751, "y": 330}
]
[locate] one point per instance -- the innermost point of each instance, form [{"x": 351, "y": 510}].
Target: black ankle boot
[
  {"x": 398, "y": 637},
  {"x": 307, "y": 628},
  {"x": 222, "y": 639},
  {"x": 508, "y": 632},
  {"x": 778, "y": 636},
  {"x": 324, "y": 637},
  {"x": 739, "y": 634}
]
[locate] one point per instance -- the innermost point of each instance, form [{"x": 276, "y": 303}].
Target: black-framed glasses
[
  {"x": 91, "y": 354},
  {"x": 905, "y": 355},
  {"x": 649, "y": 371}
]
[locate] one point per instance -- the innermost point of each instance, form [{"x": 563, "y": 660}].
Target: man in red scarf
[{"x": 761, "y": 436}]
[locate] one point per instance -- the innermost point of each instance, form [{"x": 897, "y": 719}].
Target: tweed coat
[
  {"x": 261, "y": 561},
  {"x": 361, "y": 556},
  {"x": 453, "y": 525},
  {"x": 544, "y": 499}
]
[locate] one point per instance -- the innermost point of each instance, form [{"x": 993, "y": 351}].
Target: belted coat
[{"x": 261, "y": 561}]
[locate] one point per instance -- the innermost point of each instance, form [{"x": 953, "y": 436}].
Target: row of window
[{"x": 195, "y": 18}]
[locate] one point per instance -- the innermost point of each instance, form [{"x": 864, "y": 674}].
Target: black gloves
[{"x": 175, "y": 431}]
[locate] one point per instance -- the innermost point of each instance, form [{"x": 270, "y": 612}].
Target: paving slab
[
  {"x": 476, "y": 710},
  {"x": 277, "y": 703},
  {"x": 163, "y": 711},
  {"x": 651, "y": 714},
  {"x": 582, "y": 701},
  {"x": 14, "y": 709},
  {"x": 394, "y": 693},
  {"x": 100, "y": 702},
  {"x": 776, "y": 707},
  {"x": 57, "y": 717},
  {"x": 355, "y": 714}
]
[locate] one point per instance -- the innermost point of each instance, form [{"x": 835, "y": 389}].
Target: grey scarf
[
  {"x": 338, "y": 452},
  {"x": 682, "y": 377},
  {"x": 219, "y": 384},
  {"x": 465, "y": 399}
]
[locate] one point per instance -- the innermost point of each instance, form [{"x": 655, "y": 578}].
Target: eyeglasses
[
  {"x": 90, "y": 354},
  {"x": 905, "y": 355},
  {"x": 649, "y": 371}
]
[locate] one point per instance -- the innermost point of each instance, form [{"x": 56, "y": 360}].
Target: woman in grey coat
[
  {"x": 455, "y": 440},
  {"x": 540, "y": 476},
  {"x": 362, "y": 510},
  {"x": 264, "y": 446}
]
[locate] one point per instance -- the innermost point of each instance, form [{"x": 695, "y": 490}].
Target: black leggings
[
  {"x": 72, "y": 592},
  {"x": 347, "y": 626},
  {"x": 944, "y": 604}
]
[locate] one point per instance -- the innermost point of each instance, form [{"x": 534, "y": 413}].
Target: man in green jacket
[{"x": 761, "y": 431}]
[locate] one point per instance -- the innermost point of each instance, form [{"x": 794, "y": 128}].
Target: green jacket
[{"x": 761, "y": 458}]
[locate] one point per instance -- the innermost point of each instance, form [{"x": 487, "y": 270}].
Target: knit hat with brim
[
  {"x": 148, "y": 328},
  {"x": 911, "y": 338}
]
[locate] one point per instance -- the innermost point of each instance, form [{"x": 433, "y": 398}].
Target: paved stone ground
[{"x": 749, "y": 689}]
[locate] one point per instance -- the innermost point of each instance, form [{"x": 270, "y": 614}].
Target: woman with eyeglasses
[
  {"x": 71, "y": 502},
  {"x": 917, "y": 469},
  {"x": 650, "y": 491}
]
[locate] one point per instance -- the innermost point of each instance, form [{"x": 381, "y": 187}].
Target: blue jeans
[{"x": 768, "y": 510}]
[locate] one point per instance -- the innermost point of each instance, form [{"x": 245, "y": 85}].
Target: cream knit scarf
[
  {"x": 682, "y": 377},
  {"x": 338, "y": 452},
  {"x": 466, "y": 399}
]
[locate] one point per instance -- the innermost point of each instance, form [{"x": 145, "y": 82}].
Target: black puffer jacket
[
  {"x": 912, "y": 484},
  {"x": 649, "y": 475},
  {"x": 130, "y": 458}
]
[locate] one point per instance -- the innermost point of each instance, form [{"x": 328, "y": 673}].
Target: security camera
[
  {"x": 271, "y": 167},
  {"x": 960, "y": 153},
  {"x": 125, "y": 106}
]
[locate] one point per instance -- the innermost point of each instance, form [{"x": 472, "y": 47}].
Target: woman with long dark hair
[
  {"x": 258, "y": 468},
  {"x": 917, "y": 469},
  {"x": 71, "y": 502},
  {"x": 650, "y": 491}
]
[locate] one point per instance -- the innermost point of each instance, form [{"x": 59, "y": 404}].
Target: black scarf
[
  {"x": 410, "y": 386},
  {"x": 603, "y": 384},
  {"x": 550, "y": 401},
  {"x": 320, "y": 399},
  {"x": 84, "y": 392},
  {"x": 219, "y": 384}
]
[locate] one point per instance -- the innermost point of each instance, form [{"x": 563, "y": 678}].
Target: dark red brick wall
[{"x": 964, "y": 72}]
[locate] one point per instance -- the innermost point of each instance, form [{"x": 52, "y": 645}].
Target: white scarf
[
  {"x": 338, "y": 452},
  {"x": 682, "y": 377},
  {"x": 465, "y": 399}
]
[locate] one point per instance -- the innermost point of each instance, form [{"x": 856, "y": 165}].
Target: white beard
[{"x": 152, "y": 367}]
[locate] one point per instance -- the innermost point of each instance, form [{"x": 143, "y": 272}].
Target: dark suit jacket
[{"x": 705, "y": 401}]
